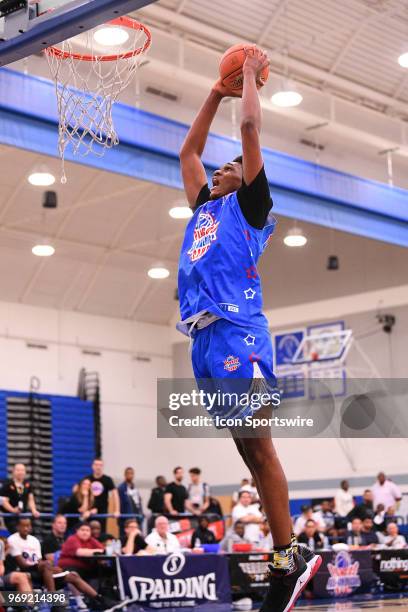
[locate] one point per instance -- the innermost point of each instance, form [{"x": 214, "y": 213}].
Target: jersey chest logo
[{"x": 205, "y": 233}]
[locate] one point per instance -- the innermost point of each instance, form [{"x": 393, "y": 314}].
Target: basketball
[{"x": 231, "y": 68}]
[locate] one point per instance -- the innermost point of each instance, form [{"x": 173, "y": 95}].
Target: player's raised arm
[
  {"x": 192, "y": 168},
  {"x": 252, "y": 162}
]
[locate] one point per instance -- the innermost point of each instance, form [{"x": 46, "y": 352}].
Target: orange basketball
[{"x": 231, "y": 68}]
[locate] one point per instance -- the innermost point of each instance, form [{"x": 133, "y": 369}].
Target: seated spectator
[
  {"x": 161, "y": 540},
  {"x": 249, "y": 514},
  {"x": 343, "y": 500},
  {"x": 265, "y": 542},
  {"x": 156, "y": 501},
  {"x": 53, "y": 543},
  {"x": 307, "y": 514},
  {"x": 369, "y": 535},
  {"x": 327, "y": 517},
  {"x": 129, "y": 496},
  {"x": 393, "y": 539},
  {"x": 26, "y": 556},
  {"x": 176, "y": 496},
  {"x": 133, "y": 543},
  {"x": 312, "y": 537},
  {"x": 214, "y": 507},
  {"x": 12, "y": 580},
  {"x": 385, "y": 492},
  {"x": 198, "y": 493},
  {"x": 366, "y": 508},
  {"x": 96, "y": 529},
  {"x": 235, "y": 535},
  {"x": 76, "y": 548},
  {"x": 360, "y": 535},
  {"x": 244, "y": 486},
  {"x": 18, "y": 496},
  {"x": 202, "y": 535},
  {"x": 82, "y": 502}
]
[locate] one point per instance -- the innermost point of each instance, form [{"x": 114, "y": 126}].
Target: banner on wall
[
  {"x": 344, "y": 573},
  {"x": 175, "y": 581},
  {"x": 392, "y": 567}
]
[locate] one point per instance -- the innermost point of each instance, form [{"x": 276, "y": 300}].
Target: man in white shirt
[
  {"x": 343, "y": 499},
  {"x": 307, "y": 515},
  {"x": 248, "y": 513},
  {"x": 161, "y": 539},
  {"x": 385, "y": 492},
  {"x": 198, "y": 492},
  {"x": 393, "y": 539}
]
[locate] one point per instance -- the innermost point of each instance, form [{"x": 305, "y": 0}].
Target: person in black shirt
[
  {"x": 81, "y": 502},
  {"x": 176, "y": 495},
  {"x": 156, "y": 501},
  {"x": 53, "y": 542},
  {"x": 18, "y": 496},
  {"x": 202, "y": 535},
  {"x": 363, "y": 510},
  {"x": 133, "y": 542},
  {"x": 103, "y": 489}
]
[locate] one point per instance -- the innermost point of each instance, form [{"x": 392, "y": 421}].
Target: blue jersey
[{"x": 218, "y": 265}]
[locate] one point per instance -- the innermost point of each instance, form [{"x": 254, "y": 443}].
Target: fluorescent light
[
  {"x": 287, "y": 98},
  {"x": 180, "y": 212},
  {"x": 111, "y": 36},
  {"x": 157, "y": 272},
  {"x": 43, "y": 250},
  {"x": 403, "y": 60},
  {"x": 295, "y": 238},
  {"x": 41, "y": 179}
]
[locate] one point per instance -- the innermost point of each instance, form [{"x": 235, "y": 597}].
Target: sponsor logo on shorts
[{"x": 231, "y": 364}]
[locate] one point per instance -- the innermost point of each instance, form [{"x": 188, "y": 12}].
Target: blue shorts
[{"x": 234, "y": 360}]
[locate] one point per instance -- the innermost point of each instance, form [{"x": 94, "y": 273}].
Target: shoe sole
[{"x": 313, "y": 567}]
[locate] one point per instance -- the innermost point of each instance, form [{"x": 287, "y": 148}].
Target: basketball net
[{"x": 89, "y": 82}]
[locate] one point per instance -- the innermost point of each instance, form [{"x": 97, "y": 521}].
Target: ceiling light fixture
[
  {"x": 111, "y": 36},
  {"x": 41, "y": 179},
  {"x": 403, "y": 60},
  {"x": 180, "y": 212},
  {"x": 287, "y": 96},
  {"x": 158, "y": 272},
  {"x": 43, "y": 250},
  {"x": 295, "y": 238}
]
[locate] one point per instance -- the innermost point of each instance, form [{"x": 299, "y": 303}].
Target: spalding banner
[{"x": 175, "y": 581}]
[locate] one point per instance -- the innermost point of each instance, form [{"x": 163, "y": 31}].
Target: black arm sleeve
[{"x": 255, "y": 200}]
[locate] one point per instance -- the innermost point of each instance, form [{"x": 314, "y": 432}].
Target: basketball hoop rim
[{"x": 125, "y": 21}]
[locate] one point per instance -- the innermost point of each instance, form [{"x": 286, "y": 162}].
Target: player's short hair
[{"x": 238, "y": 159}]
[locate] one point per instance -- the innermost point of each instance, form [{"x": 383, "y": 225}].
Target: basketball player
[{"x": 221, "y": 305}]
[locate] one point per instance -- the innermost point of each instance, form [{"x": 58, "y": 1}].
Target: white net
[{"x": 90, "y": 73}]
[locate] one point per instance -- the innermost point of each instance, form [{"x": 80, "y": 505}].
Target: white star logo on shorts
[
  {"x": 249, "y": 340},
  {"x": 249, "y": 294}
]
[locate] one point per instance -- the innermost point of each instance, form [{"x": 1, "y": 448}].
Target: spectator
[
  {"x": 176, "y": 496},
  {"x": 368, "y": 533},
  {"x": 265, "y": 542},
  {"x": 393, "y": 539},
  {"x": 249, "y": 514},
  {"x": 312, "y": 537},
  {"x": 385, "y": 492},
  {"x": 96, "y": 530},
  {"x": 202, "y": 535},
  {"x": 343, "y": 499},
  {"x": 12, "y": 580},
  {"x": 198, "y": 492},
  {"x": 129, "y": 496},
  {"x": 379, "y": 518},
  {"x": 133, "y": 543},
  {"x": 307, "y": 514},
  {"x": 53, "y": 543},
  {"x": 354, "y": 535},
  {"x": 161, "y": 540},
  {"x": 156, "y": 501},
  {"x": 326, "y": 516},
  {"x": 26, "y": 555},
  {"x": 82, "y": 502},
  {"x": 103, "y": 490},
  {"x": 18, "y": 496},
  {"x": 214, "y": 507},
  {"x": 244, "y": 486},
  {"x": 235, "y": 535},
  {"x": 366, "y": 508},
  {"x": 81, "y": 544}
]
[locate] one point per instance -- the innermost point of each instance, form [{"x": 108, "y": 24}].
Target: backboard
[{"x": 29, "y": 26}]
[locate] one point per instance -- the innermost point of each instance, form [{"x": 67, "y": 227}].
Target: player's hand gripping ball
[{"x": 232, "y": 66}]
